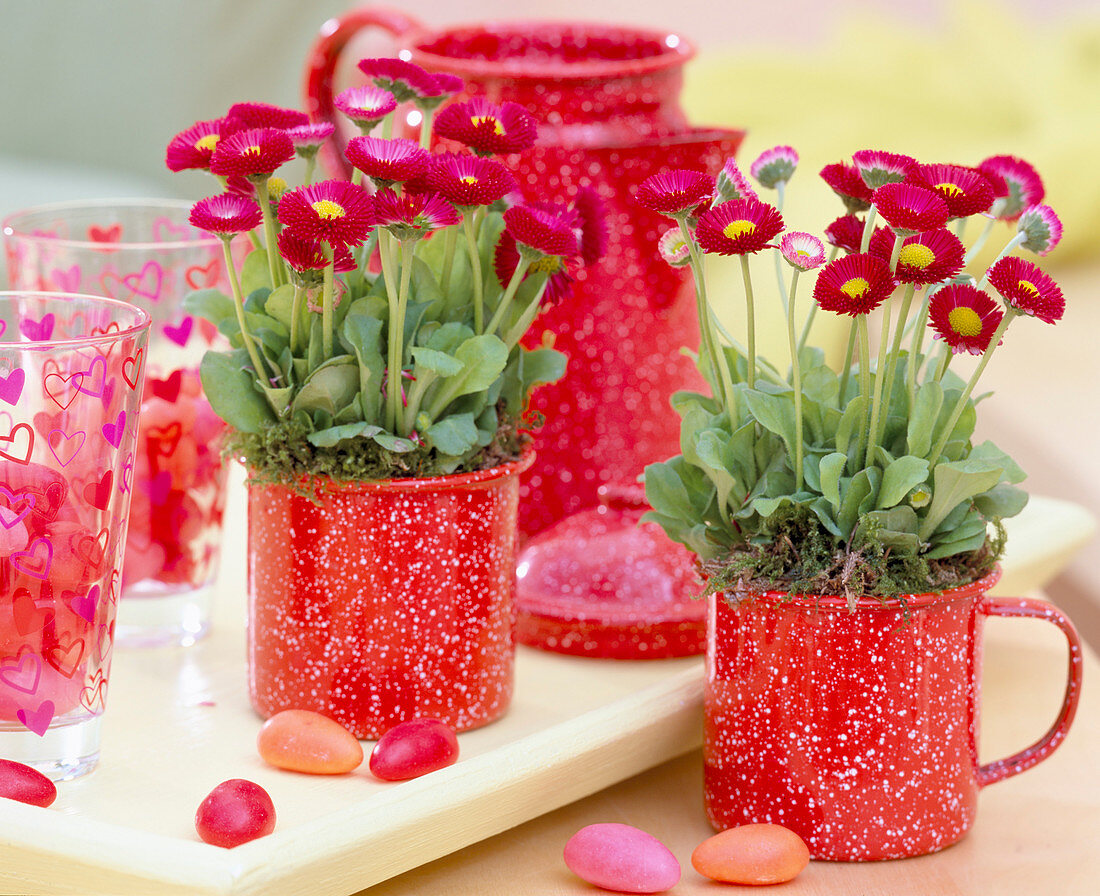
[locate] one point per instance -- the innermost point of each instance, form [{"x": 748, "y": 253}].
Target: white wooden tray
[{"x": 178, "y": 723}]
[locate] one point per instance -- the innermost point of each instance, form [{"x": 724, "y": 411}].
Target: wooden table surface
[{"x": 1037, "y": 834}]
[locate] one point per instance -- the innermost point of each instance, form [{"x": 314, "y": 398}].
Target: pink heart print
[
  {"x": 66, "y": 280},
  {"x": 39, "y": 720},
  {"x": 18, "y": 505},
  {"x": 113, "y": 432},
  {"x": 65, "y": 447},
  {"x": 22, "y": 672},
  {"x": 11, "y": 385},
  {"x": 180, "y": 332},
  {"x": 37, "y": 330},
  {"x": 36, "y": 560},
  {"x": 85, "y": 605}
]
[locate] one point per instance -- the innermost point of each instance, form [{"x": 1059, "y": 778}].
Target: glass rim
[
  {"x": 10, "y": 228},
  {"x": 144, "y": 323}
]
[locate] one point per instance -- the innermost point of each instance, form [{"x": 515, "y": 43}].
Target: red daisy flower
[
  {"x": 445, "y": 85},
  {"x": 308, "y": 138},
  {"x": 739, "y": 227},
  {"x": 468, "y": 181},
  {"x": 387, "y": 162},
  {"x": 542, "y": 231},
  {"x": 405, "y": 80},
  {"x": 675, "y": 193},
  {"x": 486, "y": 128},
  {"x": 413, "y": 215},
  {"x": 252, "y": 153},
  {"x": 333, "y": 211},
  {"x": 774, "y": 166},
  {"x": 855, "y": 284},
  {"x": 846, "y": 233},
  {"x": 930, "y": 257},
  {"x": 964, "y": 317},
  {"x": 264, "y": 115},
  {"x": 1024, "y": 186},
  {"x": 592, "y": 232},
  {"x": 732, "y": 184},
  {"x": 910, "y": 209},
  {"x": 846, "y": 182},
  {"x": 1042, "y": 229},
  {"x": 1027, "y": 289},
  {"x": 366, "y": 105},
  {"x": 965, "y": 191},
  {"x": 878, "y": 167},
  {"x": 225, "y": 213},
  {"x": 304, "y": 255},
  {"x": 560, "y": 270},
  {"x": 193, "y": 147}
]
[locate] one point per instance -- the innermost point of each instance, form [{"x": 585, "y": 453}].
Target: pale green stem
[
  {"x": 327, "y": 327},
  {"x": 249, "y": 343},
  {"x": 311, "y": 165},
  {"x": 387, "y": 126},
  {"x": 864, "y": 379},
  {"x": 1012, "y": 244},
  {"x": 945, "y": 359},
  {"x": 892, "y": 361},
  {"x": 876, "y": 399},
  {"x": 509, "y": 293},
  {"x": 750, "y": 322},
  {"x": 450, "y": 240},
  {"x": 766, "y": 368},
  {"x": 426, "y": 128},
  {"x": 960, "y": 405},
  {"x": 387, "y": 246},
  {"x": 980, "y": 242},
  {"x": 269, "y": 235},
  {"x": 846, "y": 368},
  {"x": 813, "y": 307},
  {"x": 796, "y": 377},
  {"x": 356, "y": 177},
  {"x": 868, "y": 229},
  {"x": 960, "y": 227},
  {"x": 915, "y": 359},
  {"x": 407, "y": 247},
  {"x": 475, "y": 268},
  {"x": 523, "y": 323},
  {"x": 416, "y": 396},
  {"x": 780, "y": 196},
  {"x": 295, "y": 317}
]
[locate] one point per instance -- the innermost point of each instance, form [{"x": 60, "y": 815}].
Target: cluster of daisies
[
  {"x": 924, "y": 210},
  {"x": 400, "y": 193}
]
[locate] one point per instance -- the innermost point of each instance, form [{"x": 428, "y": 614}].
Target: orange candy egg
[
  {"x": 752, "y": 854},
  {"x": 302, "y": 741}
]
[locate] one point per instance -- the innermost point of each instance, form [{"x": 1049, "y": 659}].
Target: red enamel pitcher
[{"x": 607, "y": 99}]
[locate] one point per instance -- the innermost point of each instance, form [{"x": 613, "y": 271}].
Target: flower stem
[
  {"x": 750, "y": 323},
  {"x": 475, "y": 268},
  {"x": 780, "y": 192},
  {"x": 868, "y": 229},
  {"x": 295, "y": 317},
  {"x": 311, "y": 165},
  {"x": 846, "y": 368},
  {"x": 509, "y": 293},
  {"x": 892, "y": 359},
  {"x": 980, "y": 242},
  {"x": 269, "y": 234},
  {"x": 450, "y": 240},
  {"x": 394, "y": 331},
  {"x": 426, "y": 128},
  {"x": 327, "y": 334},
  {"x": 960, "y": 405},
  {"x": 864, "y": 379},
  {"x": 915, "y": 359},
  {"x": 813, "y": 307},
  {"x": 796, "y": 381},
  {"x": 1009, "y": 246},
  {"x": 876, "y": 399},
  {"x": 258, "y": 365},
  {"x": 945, "y": 359}
]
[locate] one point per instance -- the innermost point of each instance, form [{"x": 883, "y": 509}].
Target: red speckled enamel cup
[
  {"x": 859, "y": 730},
  {"x": 385, "y": 601}
]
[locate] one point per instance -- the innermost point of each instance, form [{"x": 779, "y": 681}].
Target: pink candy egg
[
  {"x": 25, "y": 784},
  {"x": 621, "y": 858}
]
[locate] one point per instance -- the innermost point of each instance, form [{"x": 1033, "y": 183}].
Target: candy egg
[
  {"x": 25, "y": 784},
  {"x": 235, "y": 812},
  {"x": 621, "y": 858},
  {"x": 303, "y": 741},
  {"x": 752, "y": 854},
  {"x": 412, "y": 749}
]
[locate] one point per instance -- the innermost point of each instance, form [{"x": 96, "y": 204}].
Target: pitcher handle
[
  {"x": 330, "y": 43},
  {"x": 996, "y": 771}
]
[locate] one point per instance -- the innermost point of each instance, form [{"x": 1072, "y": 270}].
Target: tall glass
[
  {"x": 145, "y": 252},
  {"x": 71, "y": 375}
]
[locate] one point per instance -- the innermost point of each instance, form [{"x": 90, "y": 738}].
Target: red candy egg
[
  {"x": 412, "y": 749},
  {"x": 25, "y": 784},
  {"x": 235, "y": 812}
]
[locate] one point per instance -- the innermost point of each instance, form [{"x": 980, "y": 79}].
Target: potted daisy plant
[
  {"x": 376, "y": 389},
  {"x": 847, "y": 522}
]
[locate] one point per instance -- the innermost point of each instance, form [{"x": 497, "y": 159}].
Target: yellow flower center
[
  {"x": 276, "y": 186},
  {"x": 737, "y": 228},
  {"x": 250, "y": 151},
  {"x": 855, "y": 288},
  {"x": 916, "y": 255},
  {"x": 1028, "y": 287},
  {"x": 548, "y": 264},
  {"x": 948, "y": 189},
  {"x": 469, "y": 179},
  {"x": 328, "y": 210},
  {"x": 208, "y": 142},
  {"x": 479, "y": 120},
  {"x": 965, "y": 321}
]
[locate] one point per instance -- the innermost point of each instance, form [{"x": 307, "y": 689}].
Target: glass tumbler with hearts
[
  {"x": 146, "y": 253},
  {"x": 64, "y": 504}
]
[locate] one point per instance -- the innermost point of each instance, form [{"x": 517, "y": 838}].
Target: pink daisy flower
[
  {"x": 1042, "y": 229},
  {"x": 1025, "y": 187},
  {"x": 774, "y": 166},
  {"x": 910, "y": 209},
  {"x": 226, "y": 213},
  {"x": 1027, "y": 289},
  {"x": 740, "y": 227},
  {"x": 674, "y": 248},
  {"x": 675, "y": 193},
  {"x": 192, "y": 148},
  {"x": 846, "y": 182},
  {"x": 387, "y": 162},
  {"x": 332, "y": 211},
  {"x": 964, "y": 317},
  {"x": 965, "y": 191},
  {"x": 252, "y": 153},
  {"x": 405, "y": 80},
  {"x": 846, "y": 233},
  {"x": 878, "y": 167},
  {"x": 444, "y": 87},
  {"x": 592, "y": 232},
  {"x": 855, "y": 284},
  {"x": 366, "y": 106},
  {"x": 542, "y": 231},
  {"x": 802, "y": 250},
  {"x": 925, "y": 258},
  {"x": 732, "y": 184},
  {"x": 468, "y": 181},
  {"x": 308, "y": 138},
  {"x": 264, "y": 115},
  {"x": 486, "y": 128},
  {"x": 305, "y": 255},
  {"x": 413, "y": 215}
]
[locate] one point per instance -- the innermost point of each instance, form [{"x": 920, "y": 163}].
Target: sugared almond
[
  {"x": 752, "y": 854},
  {"x": 303, "y": 741}
]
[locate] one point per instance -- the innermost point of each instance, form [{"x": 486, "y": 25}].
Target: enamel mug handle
[
  {"x": 996, "y": 771},
  {"x": 329, "y": 45}
]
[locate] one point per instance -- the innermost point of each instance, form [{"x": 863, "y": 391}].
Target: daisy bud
[
  {"x": 775, "y": 166},
  {"x": 1042, "y": 229}
]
